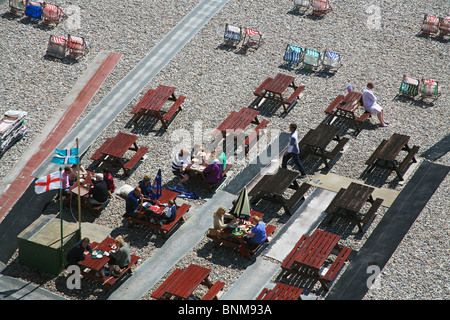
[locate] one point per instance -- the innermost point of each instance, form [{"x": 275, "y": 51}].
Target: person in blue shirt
[
  {"x": 133, "y": 201},
  {"x": 257, "y": 234},
  {"x": 293, "y": 150},
  {"x": 171, "y": 214}
]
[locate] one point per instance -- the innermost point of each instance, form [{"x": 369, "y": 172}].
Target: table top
[
  {"x": 237, "y": 121},
  {"x": 350, "y": 101},
  {"x": 321, "y": 136},
  {"x": 315, "y": 249},
  {"x": 159, "y": 97},
  {"x": 276, "y": 183},
  {"x": 393, "y": 147},
  {"x": 97, "y": 264},
  {"x": 187, "y": 281},
  {"x": 279, "y": 83},
  {"x": 118, "y": 145},
  {"x": 354, "y": 197},
  {"x": 87, "y": 181}
]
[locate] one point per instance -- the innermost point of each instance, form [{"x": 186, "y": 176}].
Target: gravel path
[{"x": 217, "y": 80}]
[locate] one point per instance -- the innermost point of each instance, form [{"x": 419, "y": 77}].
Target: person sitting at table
[
  {"x": 221, "y": 158},
  {"x": 257, "y": 234},
  {"x": 107, "y": 176},
  {"x": 370, "y": 104},
  {"x": 133, "y": 202},
  {"x": 219, "y": 218},
  {"x": 198, "y": 152},
  {"x": 65, "y": 182},
  {"x": 293, "y": 150},
  {"x": 146, "y": 188},
  {"x": 170, "y": 215},
  {"x": 180, "y": 161},
  {"x": 212, "y": 173},
  {"x": 79, "y": 251},
  {"x": 98, "y": 193},
  {"x": 119, "y": 257}
]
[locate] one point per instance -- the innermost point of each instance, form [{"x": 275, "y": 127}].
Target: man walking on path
[{"x": 293, "y": 151}]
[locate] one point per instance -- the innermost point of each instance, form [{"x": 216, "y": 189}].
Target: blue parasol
[{"x": 157, "y": 186}]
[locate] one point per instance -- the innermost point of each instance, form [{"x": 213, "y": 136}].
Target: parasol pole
[
  {"x": 79, "y": 191},
  {"x": 60, "y": 215}
]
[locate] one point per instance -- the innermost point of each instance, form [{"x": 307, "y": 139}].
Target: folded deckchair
[
  {"x": 52, "y": 13},
  {"x": 321, "y": 7},
  {"x": 293, "y": 54},
  {"x": 233, "y": 34},
  {"x": 12, "y": 128},
  {"x": 301, "y": 4},
  {"x": 17, "y": 6},
  {"x": 331, "y": 61},
  {"x": 430, "y": 25},
  {"x": 429, "y": 89},
  {"x": 312, "y": 59},
  {"x": 409, "y": 87},
  {"x": 57, "y": 47},
  {"x": 76, "y": 46},
  {"x": 444, "y": 26}
]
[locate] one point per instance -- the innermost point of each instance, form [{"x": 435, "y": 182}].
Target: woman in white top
[{"x": 370, "y": 104}]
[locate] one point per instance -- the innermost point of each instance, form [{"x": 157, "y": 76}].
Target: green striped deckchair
[
  {"x": 312, "y": 58},
  {"x": 409, "y": 86}
]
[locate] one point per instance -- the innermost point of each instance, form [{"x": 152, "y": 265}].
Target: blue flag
[
  {"x": 157, "y": 187},
  {"x": 66, "y": 156}
]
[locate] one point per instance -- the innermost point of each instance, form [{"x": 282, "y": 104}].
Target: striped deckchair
[
  {"x": 430, "y": 25},
  {"x": 331, "y": 61},
  {"x": 321, "y": 7},
  {"x": 429, "y": 89},
  {"x": 409, "y": 87},
  {"x": 251, "y": 42},
  {"x": 233, "y": 34},
  {"x": 17, "y": 6},
  {"x": 293, "y": 54},
  {"x": 57, "y": 47},
  {"x": 52, "y": 13},
  {"x": 312, "y": 59},
  {"x": 444, "y": 26},
  {"x": 301, "y": 4},
  {"x": 76, "y": 46}
]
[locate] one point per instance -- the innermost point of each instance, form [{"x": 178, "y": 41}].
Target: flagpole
[
  {"x": 60, "y": 216},
  {"x": 79, "y": 192}
]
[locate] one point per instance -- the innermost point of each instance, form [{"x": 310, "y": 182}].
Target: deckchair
[
  {"x": 12, "y": 128},
  {"x": 409, "y": 87},
  {"x": 249, "y": 41},
  {"x": 17, "y": 6},
  {"x": 312, "y": 59},
  {"x": 233, "y": 34},
  {"x": 57, "y": 47},
  {"x": 76, "y": 46},
  {"x": 321, "y": 7},
  {"x": 331, "y": 61},
  {"x": 52, "y": 13},
  {"x": 444, "y": 26},
  {"x": 293, "y": 54},
  {"x": 33, "y": 10},
  {"x": 429, "y": 89},
  {"x": 301, "y": 4},
  {"x": 430, "y": 25}
]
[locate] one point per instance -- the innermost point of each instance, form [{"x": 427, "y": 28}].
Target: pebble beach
[{"x": 378, "y": 42}]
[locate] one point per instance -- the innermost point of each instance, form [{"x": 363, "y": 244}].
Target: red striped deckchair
[
  {"x": 430, "y": 25},
  {"x": 249, "y": 32}
]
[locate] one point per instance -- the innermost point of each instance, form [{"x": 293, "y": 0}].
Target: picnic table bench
[
  {"x": 153, "y": 101},
  {"x": 274, "y": 89},
  {"x": 309, "y": 255},
  {"x": 347, "y": 107},
  {"x": 349, "y": 201},
  {"x": 386, "y": 153},
  {"x": 281, "y": 291},
  {"x": 113, "y": 150}
]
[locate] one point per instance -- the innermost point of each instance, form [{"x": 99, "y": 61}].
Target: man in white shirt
[
  {"x": 180, "y": 162},
  {"x": 293, "y": 151},
  {"x": 370, "y": 104}
]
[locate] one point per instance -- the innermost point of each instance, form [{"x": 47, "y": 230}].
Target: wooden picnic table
[
  {"x": 153, "y": 101},
  {"x": 281, "y": 291},
  {"x": 349, "y": 201},
  {"x": 387, "y": 152},
  {"x": 272, "y": 186},
  {"x": 182, "y": 283},
  {"x": 347, "y": 107},
  {"x": 113, "y": 150},
  {"x": 309, "y": 255},
  {"x": 316, "y": 141},
  {"x": 274, "y": 89}
]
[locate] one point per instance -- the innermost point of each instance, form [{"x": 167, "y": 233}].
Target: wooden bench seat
[
  {"x": 213, "y": 291},
  {"x": 295, "y": 94},
  {"x": 409, "y": 157},
  {"x": 368, "y": 217},
  {"x": 374, "y": 155},
  {"x": 98, "y": 154},
  {"x": 333, "y": 105},
  {"x": 159, "y": 292},
  {"x": 143, "y": 101},
  {"x": 165, "y": 229},
  {"x": 251, "y": 251},
  {"x": 112, "y": 280},
  {"x": 298, "y": 195},
  {"x": 262, "y": 87},
  {"x": 176, "y": 106},
  {"x": 135, "y": 159},
  {"x": 287, "y": 262},
  {"x": 254, "y": 136},
  {"x": 281, "y": 292},
  {"x": 336, "y": 266},
  {"x": 338, "y": 148},
  {"x": 364, "y": 117}
]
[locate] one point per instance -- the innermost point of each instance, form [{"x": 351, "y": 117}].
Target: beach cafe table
[
  {"x": 153, "y": 101},
  {"x": 309, "y": 255},
  {"x": 92, "y": 265},
  {"x": 275, "y": 89},
  {"x": 349, "y": 201},
  {"x": 347, "y": 108},
  {"x": 272, "y": 186},
  {"x": 113, "y": 150}
]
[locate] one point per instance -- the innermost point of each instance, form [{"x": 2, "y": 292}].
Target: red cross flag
[{"x": 50, "y": 182}]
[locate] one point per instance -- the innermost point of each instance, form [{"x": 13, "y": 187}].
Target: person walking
[{"x": 293, "y": 150}]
